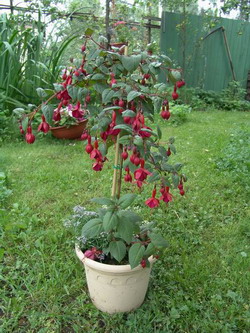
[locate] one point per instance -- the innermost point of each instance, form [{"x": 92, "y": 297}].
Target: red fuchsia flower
[
  {"x": 168, "y": 152},
  {"x": 141, "y": 173},
  {"x": 119, "y": 23},
  {"x": 180, "y": 186},
  {"x": 125, "y": 154},
  {"x": 21, "y": 129},
  {"x": 92, "y": 253},
  {"x": 180, "y": 83},
  {"x": 97, "y": 166},
  {"x": 146, "y": 76},
  {"x": 182, "y": 192},
  {"x": 112, "y": 79},
  {"x": 166, "y": 196},
  {"x": 152, "y": 202},
  {"x": 143, "y": 263},
  {"x": 84, "y": 135},
  {"x": 128, "y": 177},
  {"x": 44, "y": 126},
  {"x": 87, "y": 99},
  {"x": 165, "y": 114},
  {"x": 30, "y": 137},
  {"x": 174, "y": 94},
  {"x": 145, "y": 134},
  {"x": 139, "y": 183},
  {"x": 77, "y": 112},
  {"x": 104, "y": 135},
  {"x": 83, "y": 48},
  {"x": 95, "y": 153},
  {"x": 89, "y": 146}
]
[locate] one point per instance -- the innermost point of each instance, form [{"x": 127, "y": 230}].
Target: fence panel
[{"x": 205, "y": 61}]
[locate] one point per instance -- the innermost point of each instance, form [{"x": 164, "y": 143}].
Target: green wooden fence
[{"x": 206, "y": 62}]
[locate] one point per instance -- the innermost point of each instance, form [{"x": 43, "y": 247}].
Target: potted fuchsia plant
[{"x": 119, "y": 93}]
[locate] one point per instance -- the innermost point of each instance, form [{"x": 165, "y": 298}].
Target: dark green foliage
[
  {"x": 235, "y": 157},
  {"x": 230, "y": 99}
]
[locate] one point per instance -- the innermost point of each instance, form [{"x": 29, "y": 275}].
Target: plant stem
[{"x": 116, "y": 164}]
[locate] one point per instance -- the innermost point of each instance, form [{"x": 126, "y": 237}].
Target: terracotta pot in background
[{"x": 71, "y": 132}]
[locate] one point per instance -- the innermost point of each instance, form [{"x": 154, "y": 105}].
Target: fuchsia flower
[
  {"x": 97, "y": 166},
  {"x": 77, "y": 112},
  {"x": 152, "y": 202},
  {"x": 141, "y": 173},
  {"x": 92, "y": 253},
  {"x": 166, "y": 196},
  {"x": 44, "y": 126},
  {"x": 30, "y": 137}
]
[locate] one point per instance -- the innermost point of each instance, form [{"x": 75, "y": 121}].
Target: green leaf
[
  {"x": 25, "y": 123},
  {"x": 171, "y": 139},
  {"x": 132, "y": 95},
  {"x": 82, "y": 92},
  {"x": 128, "y": 215},
  {"x": 97, "y": 76},
  {"x": 128, "y": 113},
  {"x": 92, "y": 228},
  {"x": 138, "y": 141},
  {"x": 125, "y": 230},
  {"x": 172, "y": 148},
  {"x": 167, "y": 167},
  {"x": 117, "y": 249},
  {"x": 126, "y": 200},
  {"x": 110, "y": 221},
  {"x": 159, "y": 132},
  {"x": 107, "y": 96},
  {"x": 111, "y": 108},
  {"x": 72, "y": 90},
  {"x": 89, "y": 32},
  {"x": 154, "y": 177},
  {"x": 124, "y": 127},
  {"x": 157, "y": 240},
  {"x": 58, "y": 87},
  {"x": 150, "y": 250},
  {"x": 47, "y": 111},
  {"x": 41, "y": 92},
  {"x": 131, "y": 63},
  {"x": 175, "y": 179},
  {"x": 178, "y": 166},
  {"x": 135, "y": 254},
  {"x": 125, "y": 139},
  {"x": 162, "y": 151},
  {"x": 104, "y": 201}
]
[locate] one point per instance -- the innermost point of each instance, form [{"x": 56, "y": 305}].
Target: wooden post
[
  {"x": 117, "y": 175},
  {"x": 107, "y": 22}
]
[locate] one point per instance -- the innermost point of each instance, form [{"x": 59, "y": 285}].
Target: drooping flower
[
  {"x": 44, "y": 126},
  {"x": 97, "y": 166},
  {"x": 166, "y": 196},
  {"x": 141, "y": 173},
  {"x": 30, "y": 137},
  {"x": 153, "y": 201}
]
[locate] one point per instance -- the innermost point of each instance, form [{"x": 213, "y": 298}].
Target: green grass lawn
[{"x": 201, "y": 284}]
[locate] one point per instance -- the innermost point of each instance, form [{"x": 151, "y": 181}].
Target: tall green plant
[{"x": 26, "y": 60}]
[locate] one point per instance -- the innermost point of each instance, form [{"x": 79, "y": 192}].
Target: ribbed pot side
[{"x": 115, "y": 288}]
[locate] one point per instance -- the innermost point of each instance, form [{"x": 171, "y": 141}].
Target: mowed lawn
[{"x": 200, "y": 284}]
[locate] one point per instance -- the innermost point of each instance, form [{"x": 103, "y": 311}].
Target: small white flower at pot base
[{"x": 115, "y": 288}]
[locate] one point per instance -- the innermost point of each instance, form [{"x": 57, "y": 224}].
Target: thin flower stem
[{"x": 117, "y": 153}]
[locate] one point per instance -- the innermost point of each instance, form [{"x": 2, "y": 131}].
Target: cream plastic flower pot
[{"x": 115, "y": 288}]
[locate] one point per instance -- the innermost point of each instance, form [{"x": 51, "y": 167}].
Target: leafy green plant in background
[
  {"x": 26, "y": 61},
  {"x": 229, "y": 99},
  {"x": 235, "y": 158}
]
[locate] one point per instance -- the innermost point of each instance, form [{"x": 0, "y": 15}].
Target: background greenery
[{"x": 201, "y": 284}]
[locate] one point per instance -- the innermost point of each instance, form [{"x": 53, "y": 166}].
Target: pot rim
[
  {"x": 106, "y": 267},
  {"x": 64, "y": 126}
]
